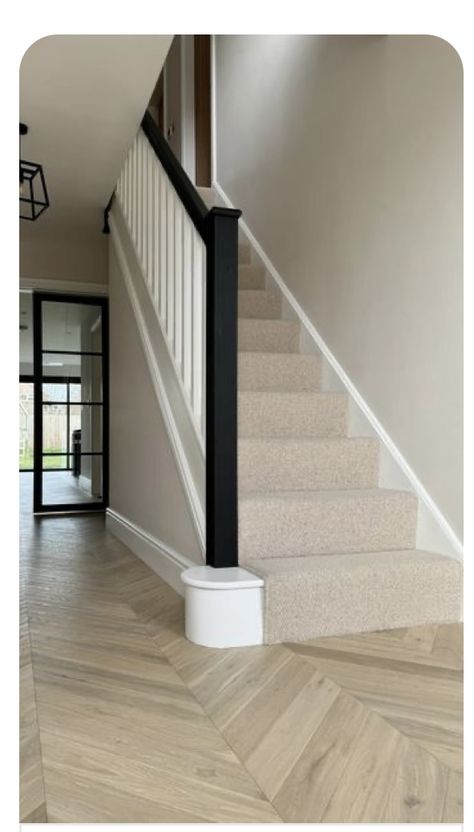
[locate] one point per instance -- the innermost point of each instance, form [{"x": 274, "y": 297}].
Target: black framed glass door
[{"x": 71, "y": 403}]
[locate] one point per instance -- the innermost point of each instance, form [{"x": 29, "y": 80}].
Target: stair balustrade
[{"x": 189, "y": 260}]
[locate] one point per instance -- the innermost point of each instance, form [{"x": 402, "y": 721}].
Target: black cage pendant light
[{"x": 33, "y": 194}]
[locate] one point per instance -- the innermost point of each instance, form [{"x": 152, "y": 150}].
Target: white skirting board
[
  {"x": 433, "y": 531},
  {"x": 162, "y": 559},
  {"x": 224, "y": 607}
]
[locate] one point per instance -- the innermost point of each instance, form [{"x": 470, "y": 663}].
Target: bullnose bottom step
[{"x": 339, "y": 594}]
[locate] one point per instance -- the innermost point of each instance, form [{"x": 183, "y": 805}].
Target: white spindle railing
[{"x": 173, "y": 259}]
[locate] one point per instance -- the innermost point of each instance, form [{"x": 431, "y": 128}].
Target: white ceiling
[{"x": 83, "y": 97}]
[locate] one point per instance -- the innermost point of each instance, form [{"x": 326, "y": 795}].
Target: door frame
[{"x": 38, "y": 379}]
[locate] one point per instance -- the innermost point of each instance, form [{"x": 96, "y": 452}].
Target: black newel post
[{"x": 221, "y": 388}]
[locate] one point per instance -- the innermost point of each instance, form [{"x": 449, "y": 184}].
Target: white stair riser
[
  {"x": 279, "y": 371},
  {"x": 272, "y": 465},
  {"x": 268, "y": 336},
  {"x": 258, "y": 303},
  {"x": 244, "y": 254},
  {"x": 282, "y": 527},
  {"x": 251, "y": 277},
  {"x": 292, "y": 414}
]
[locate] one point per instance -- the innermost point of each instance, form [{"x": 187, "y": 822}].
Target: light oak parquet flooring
[
  {"x": 423, "y": 701},
  {"x": 137, "y": 725},
  {"x": 122, "y": 737},
  {"x": 398, "y": 729},
  {"x": 32, "y": 797}
]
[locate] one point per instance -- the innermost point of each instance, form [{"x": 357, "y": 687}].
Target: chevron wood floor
[{"x": 124, "y": 720}]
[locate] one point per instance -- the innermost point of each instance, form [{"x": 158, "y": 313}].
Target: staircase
[
  {"x": 330, "y": 551},
  {"x": 336, "y": 552}
]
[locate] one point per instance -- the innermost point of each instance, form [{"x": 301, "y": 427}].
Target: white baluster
[
  {"x": 163, "y": 245},
  {"x": 130, "y": 190},
  {"x": 151, "y": 226},
  {"x": 140, "y": 199},
  {"x": 187, "y": 305},
  {"x": 136, "y": 199},
  {"x": 124, "y": 190},
  {"x": 156, "y": 232},
  {"x": 178, "y": 271},
  {"x": 197, "y": 313},
  {"x": 144, "y": 179},
  {"x": 170, "y": 264},
  {"x": 118, "y": 189}
]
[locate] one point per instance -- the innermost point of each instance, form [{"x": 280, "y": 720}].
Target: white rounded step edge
[{"x": 224, "y": 607}]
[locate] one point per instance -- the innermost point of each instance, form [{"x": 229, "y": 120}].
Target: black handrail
[
  {"x": 194, "y": 205},
  {"x": 106, "y": 226},
  {"x": 218, "y": 228}
]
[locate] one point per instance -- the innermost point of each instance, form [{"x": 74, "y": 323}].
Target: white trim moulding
[
  {"x": 161, "y": 558},
  {"x": 76, "y": 287}
]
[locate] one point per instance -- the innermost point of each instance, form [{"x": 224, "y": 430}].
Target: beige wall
[
  {"x": 64, "y": 257},
  {"x": 345, "y": 155},
  {"x": 144, "y": 483}
]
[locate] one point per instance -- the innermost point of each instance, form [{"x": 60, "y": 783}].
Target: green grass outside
[{"x": 49, "y": 462}]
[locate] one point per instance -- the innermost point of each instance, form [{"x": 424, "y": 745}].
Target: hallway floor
[
  {"x": 123, "y": 720},
  {"x": 58, "y": 487}
]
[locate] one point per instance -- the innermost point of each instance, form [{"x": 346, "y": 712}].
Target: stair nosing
[
  {"x": 265, "y": 392},
  {"x": 312, "y": 495},
  {"x": 330, "y": 556},
  {"x": 310, "y": 439},
  {"x": 283, "y": 321}
]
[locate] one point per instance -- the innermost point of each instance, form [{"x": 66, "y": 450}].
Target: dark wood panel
[{"x": 202, "y": 105}]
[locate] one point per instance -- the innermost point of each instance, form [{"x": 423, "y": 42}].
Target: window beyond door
[{"x": 26, "y": 425}]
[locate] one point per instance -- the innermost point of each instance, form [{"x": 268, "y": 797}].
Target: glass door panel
[
  {"x": 55, "y": 429},
  {"x": 71, "y": 327},
  {"x": 70, "y": 358},
  {"x": 88, "y": 419}
]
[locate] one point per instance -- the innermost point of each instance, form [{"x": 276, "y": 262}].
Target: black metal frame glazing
[{"x": 39, "y": 379}]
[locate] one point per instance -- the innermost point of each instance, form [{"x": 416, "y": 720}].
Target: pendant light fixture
[{"x": 33, "y": 194}]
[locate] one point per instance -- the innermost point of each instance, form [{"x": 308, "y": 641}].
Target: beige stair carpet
[
  {"x": 337, "y": 552},
  {"x": 340, "y": 594}
]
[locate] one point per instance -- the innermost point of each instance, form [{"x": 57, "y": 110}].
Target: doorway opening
[{"x": 64, "y": 402}]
